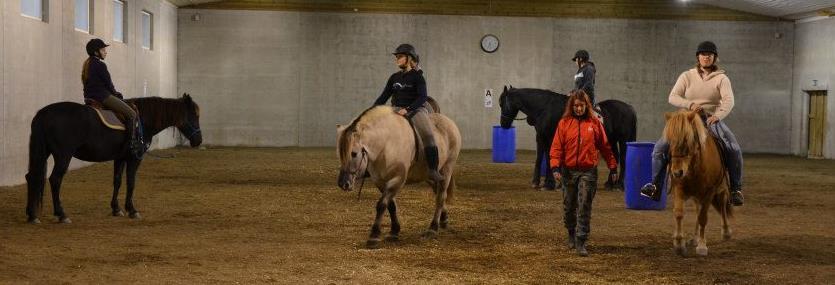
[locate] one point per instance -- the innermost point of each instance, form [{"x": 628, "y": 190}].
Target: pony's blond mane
[{"x": 684, "y": 133}]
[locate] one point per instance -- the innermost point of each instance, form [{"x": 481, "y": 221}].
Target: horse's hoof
[
  {"x": 119, "y": 213},
  {"x": 702, "y": 251},
  {"x": 681, "y": 251},
  {"x": 692, "y": 242},
  {"x": 726, "y": 234},
  {"x": 430, "y": 234},
  {"x": 34, "y": 221},
  {"x": 135, "y": 215},
  {"x": 392, "y": 238},
  {"x": 535, "y": 185},
  {"x": 64, "y": 220},
  {"x": 444, "y": 225},
  {"x": 373, "y": 243}
]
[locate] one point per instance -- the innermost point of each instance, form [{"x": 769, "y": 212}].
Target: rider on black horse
[{"x": 99, "y": 87}]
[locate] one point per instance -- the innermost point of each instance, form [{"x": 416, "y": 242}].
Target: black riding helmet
[
  {"x": 707, "y": 46},
  {"x": 406, "y": 49},
  {"x": 94, "y": 46},
  {"x": 581, "y": 54}
]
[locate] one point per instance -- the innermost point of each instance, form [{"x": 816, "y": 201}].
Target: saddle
[{"x": 109, "y": 118}]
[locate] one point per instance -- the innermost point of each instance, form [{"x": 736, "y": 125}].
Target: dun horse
[
  {"x": 383, "y": 144},
  {"x": 696, "y": 172},
  {"x": 65, "y": 130}
]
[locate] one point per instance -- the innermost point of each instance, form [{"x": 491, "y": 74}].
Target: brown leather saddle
[{"x": 109, "y": 118}]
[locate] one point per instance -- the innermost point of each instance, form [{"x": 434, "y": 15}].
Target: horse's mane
[
  {"x": 358, "y": 124},
  {"x": 158, "y": 113},
  {"x": 534, "y": 91},
  {"x": 684, "y": 131}
]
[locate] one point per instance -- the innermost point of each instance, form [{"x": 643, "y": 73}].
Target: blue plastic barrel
[
  {"x": 504, "y": 144},
  {"x": 638, "y": 173}
]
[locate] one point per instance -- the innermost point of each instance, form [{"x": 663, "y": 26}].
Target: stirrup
[
  {"x": 737, "y": 199},
  {"x": 650, "y": 191}
]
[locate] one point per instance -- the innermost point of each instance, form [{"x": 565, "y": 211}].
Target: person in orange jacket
[{"x": 579, "y": 139}]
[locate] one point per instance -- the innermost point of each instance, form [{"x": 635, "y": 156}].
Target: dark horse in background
[
  {"x": 65, "y": 130},
  {"x": 544, "y": 109}
]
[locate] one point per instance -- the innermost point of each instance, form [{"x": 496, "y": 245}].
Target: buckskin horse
[
  {"x": 544, "y": 109},
  {"x": 696, "y": 171},
  {"x": 66, "y": 129},
  {"x": 383, "y": 144}
]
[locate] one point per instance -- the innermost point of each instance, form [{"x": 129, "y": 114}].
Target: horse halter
[{"x": 191, "y": 129}]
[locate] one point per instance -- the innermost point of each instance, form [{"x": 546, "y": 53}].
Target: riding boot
[
  {"x": 432, "y": 163},
  {"x": 572, "y": 240},
  {"x": 581, "y": 247},
  {"x": 659, "y": 165},
  {"x": 137, "y": 146}
]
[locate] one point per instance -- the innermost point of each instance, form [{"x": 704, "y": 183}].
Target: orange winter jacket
[{"x": 577, "y": 144}]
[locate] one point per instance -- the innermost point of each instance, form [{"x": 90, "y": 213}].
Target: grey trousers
[
  {"x": 116, "y": 104},
  {"x": 423, "y": 124},
  {"x": 580, "y": 187}
]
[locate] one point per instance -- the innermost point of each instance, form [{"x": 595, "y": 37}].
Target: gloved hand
[
  {"x": 613, "y": 174},
  {"x": 557, "y": 174}
]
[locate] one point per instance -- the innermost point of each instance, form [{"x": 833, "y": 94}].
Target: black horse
[
  {"x": 544, "y": 109},
  {"x": 66, "y": 130}
]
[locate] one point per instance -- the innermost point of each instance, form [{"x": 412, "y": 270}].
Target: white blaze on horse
[
  {"x": 696, "y": 172},
  {"x": 383, "y": 144}
]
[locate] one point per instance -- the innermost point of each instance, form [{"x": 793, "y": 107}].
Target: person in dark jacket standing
[
  {"x": 98, "y": 87},
  {"x": 407, "y": 90},
  {"x": 579, "y": 140}
]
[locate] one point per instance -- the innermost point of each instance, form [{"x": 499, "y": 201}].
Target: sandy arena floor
[{"x": 260, "y": 215}]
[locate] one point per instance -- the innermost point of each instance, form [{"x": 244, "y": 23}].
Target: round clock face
[{"x": 489, "y": 43}]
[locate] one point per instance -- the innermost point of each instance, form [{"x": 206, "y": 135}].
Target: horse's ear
[
  {"x": 505, "y": 88},
  {"x": 511, "y": 86}
]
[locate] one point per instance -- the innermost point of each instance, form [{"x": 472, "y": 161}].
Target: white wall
[
  {"x": 41, "y": 64},
  {"x": 273, "y": 78},
  {"x": 814, "y": 60}
]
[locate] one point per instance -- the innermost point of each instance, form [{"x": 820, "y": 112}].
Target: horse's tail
[{"x": 38, "y": 154}]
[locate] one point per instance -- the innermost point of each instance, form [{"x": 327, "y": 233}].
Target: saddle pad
[{"x": 109, "y": 119}]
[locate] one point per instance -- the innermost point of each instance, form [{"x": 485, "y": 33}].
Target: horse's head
[
  {"x": 190, "y": 125},
  {"x": 509, "y": 106},
  {"x": 685, "y": 133},
  {"x": 353, "y": 157}
]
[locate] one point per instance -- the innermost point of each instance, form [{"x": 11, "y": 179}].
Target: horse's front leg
[
  {"x": 536, "y": 166},
  {"x": 701, "y": 247},
  {"x": 678, "y": 212},
  {"x": 382, "y": 206},
  {"x": 132, "y": 167},
  {"x": 118, "y": 169}
]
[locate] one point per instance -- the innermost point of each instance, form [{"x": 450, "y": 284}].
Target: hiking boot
[
  {"x": 581, "y": 247},
  {"x": 650, "y": 191},
  {"x": 736, "y": 198}
]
